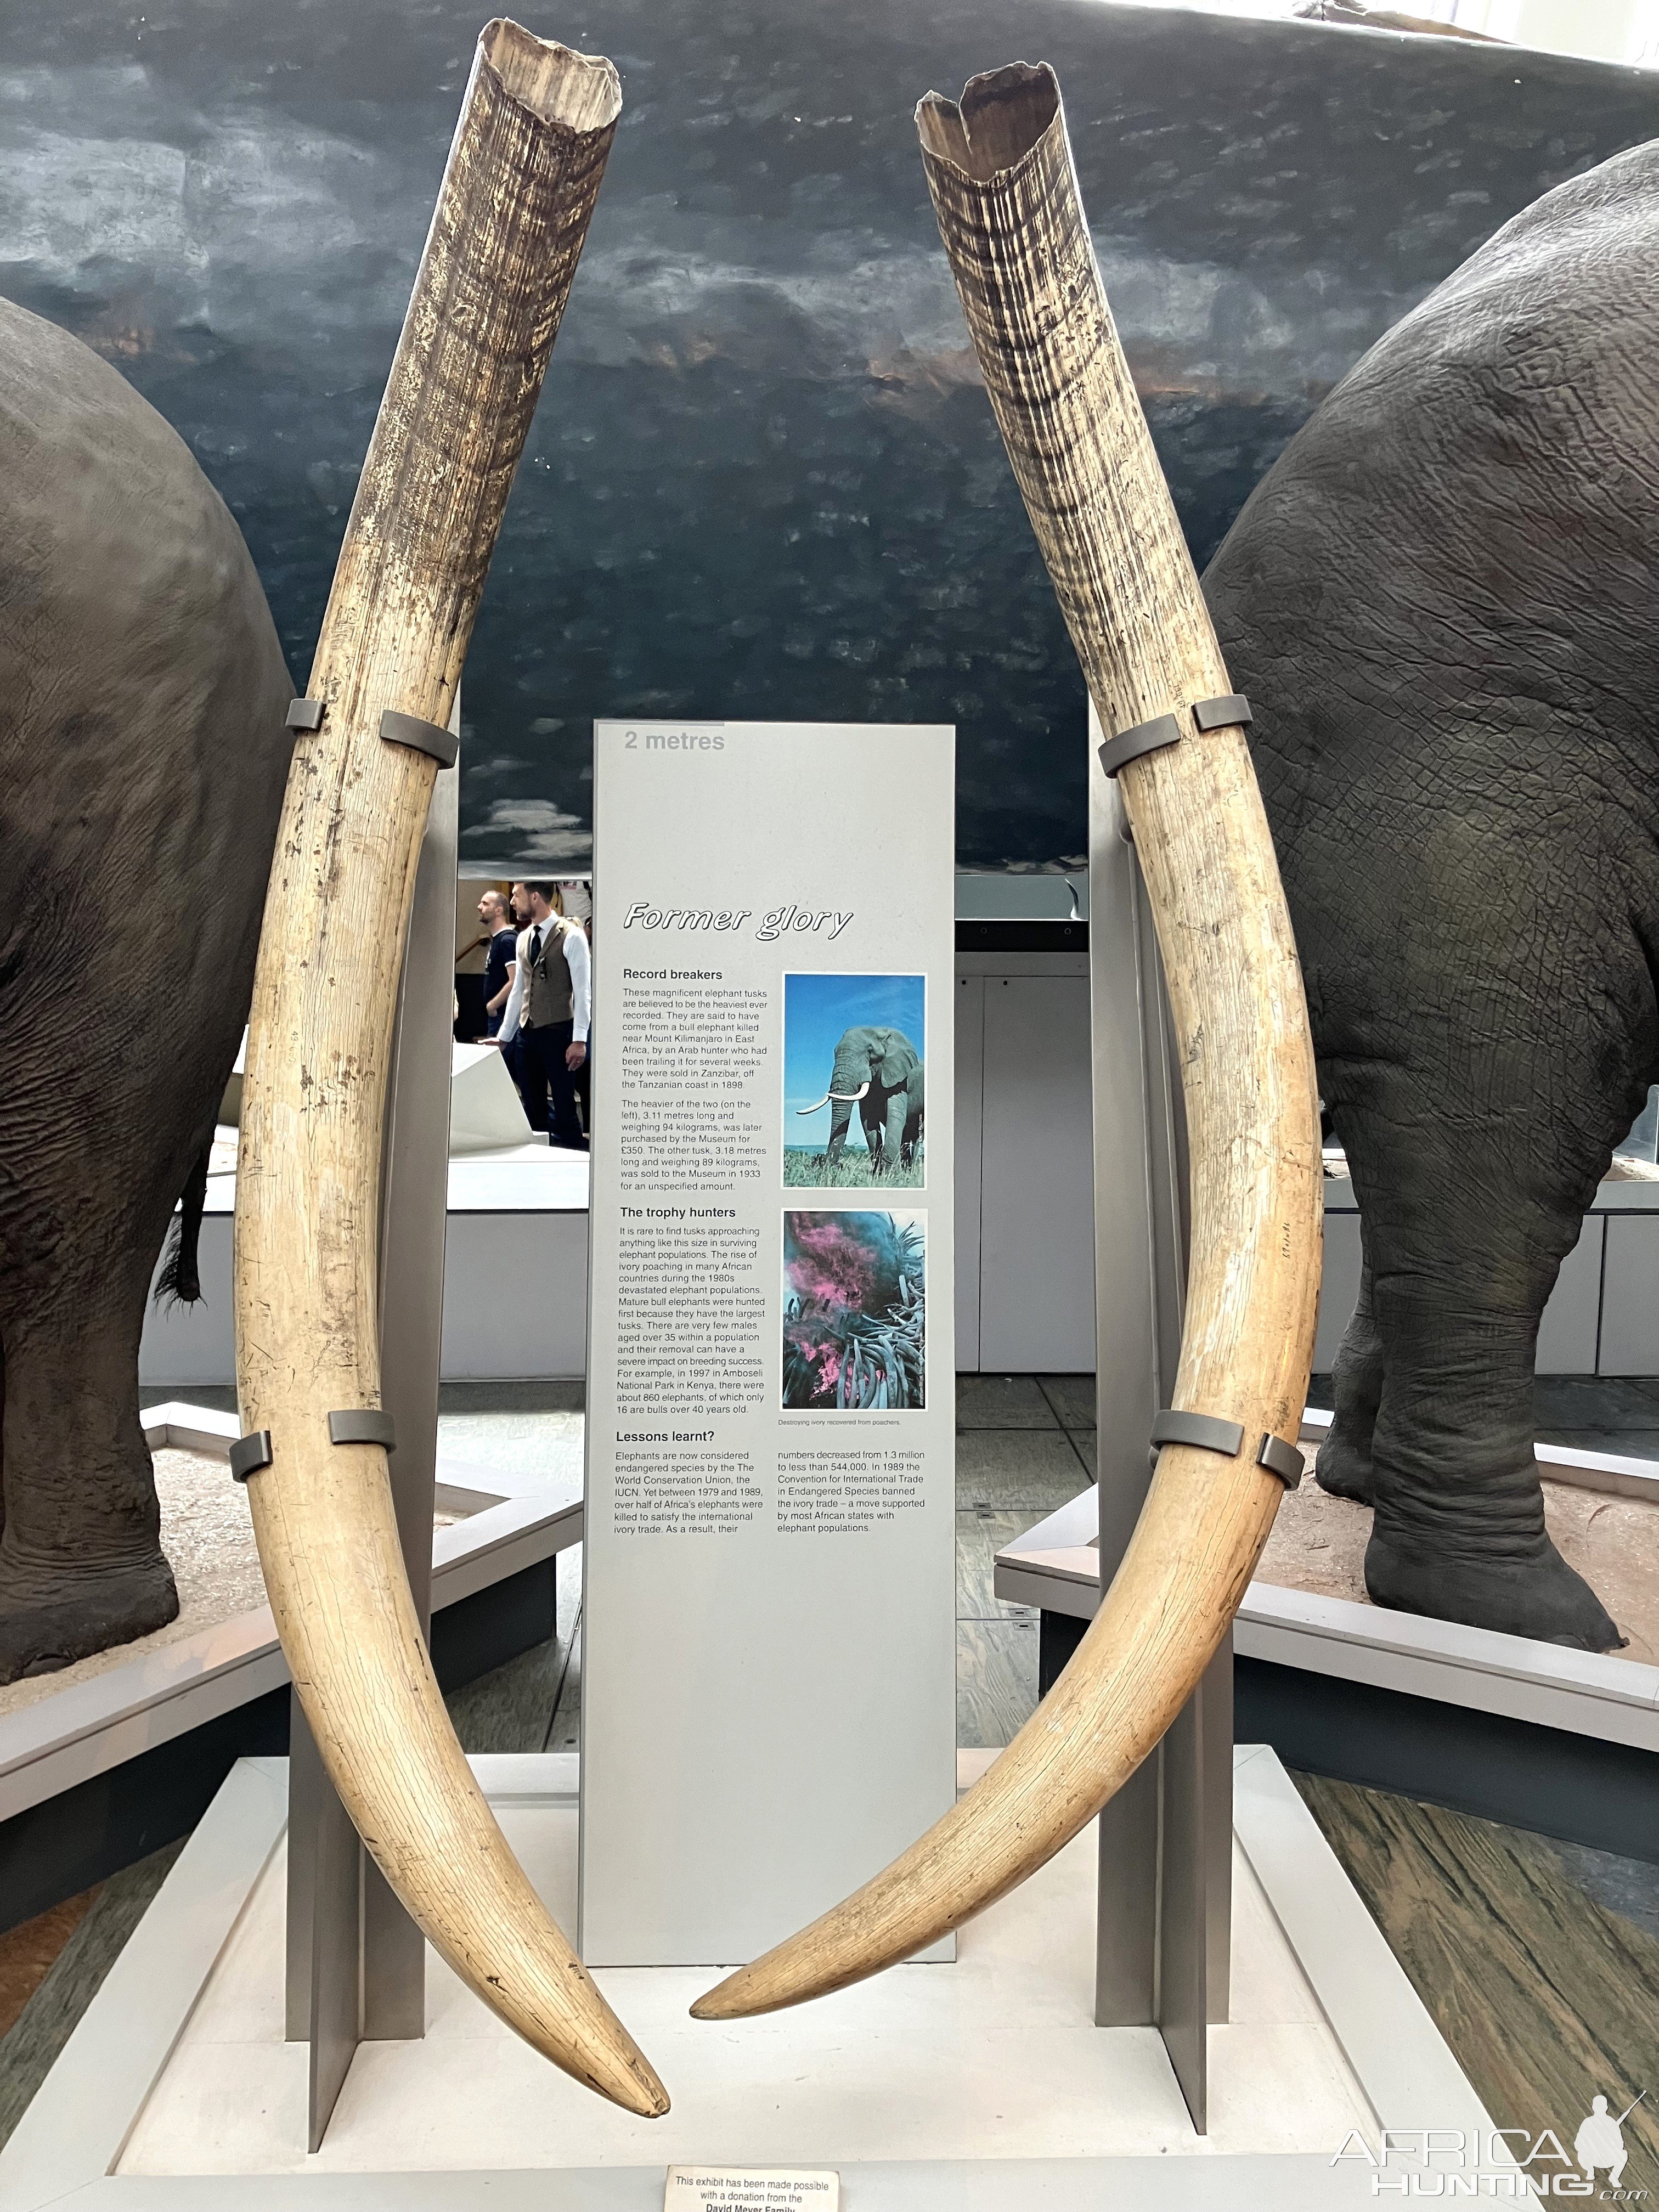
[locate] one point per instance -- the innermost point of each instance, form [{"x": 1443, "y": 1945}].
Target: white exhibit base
[
  {"x": 981, "y": 2084},
  {"x": 505, "y": 1522},
  {"x": 1054, "y": 1566}
]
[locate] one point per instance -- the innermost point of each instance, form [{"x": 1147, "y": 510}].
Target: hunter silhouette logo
[
  {"x": 1506, "y": 2162},
  {"x": 1600, "y": 2140}
]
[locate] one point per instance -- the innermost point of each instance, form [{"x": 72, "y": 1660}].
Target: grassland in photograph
[{"x": 803, "y": 1167}]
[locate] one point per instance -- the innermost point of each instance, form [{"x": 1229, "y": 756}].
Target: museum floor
[{"x": 1538, "y": 1960}]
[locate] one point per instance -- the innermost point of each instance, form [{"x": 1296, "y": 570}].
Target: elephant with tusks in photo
[{"x": 878, "y": 1071}]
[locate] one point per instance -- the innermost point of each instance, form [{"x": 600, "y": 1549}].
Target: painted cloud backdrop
[{"x": 763, "y": 481}]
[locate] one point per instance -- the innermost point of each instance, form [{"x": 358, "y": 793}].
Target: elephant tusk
[
  {"x": 1003, "y": 188},
  {"x": 522, "y": 174},
  {"x": 845, "y": 1097}
]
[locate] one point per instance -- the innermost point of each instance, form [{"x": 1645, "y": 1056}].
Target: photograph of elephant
[
  {"x": 853, "y": 1041},
  {"x": 855, "y": 1312}
]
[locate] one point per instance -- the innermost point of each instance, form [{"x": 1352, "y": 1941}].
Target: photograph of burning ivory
[
  {"x": 868, "y": 1034},
  {"x": 1166, "y": 1706},
  {"x": 854, "y": 1311}
]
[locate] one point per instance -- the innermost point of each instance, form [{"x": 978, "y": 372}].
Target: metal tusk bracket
[
  {"x": 420, "y": 736},
  {"x": 395, "y": 729},
  {"x": 1209, "y": 1433},
  {"x": 362, "y": 1425},
  {"x": 1283, "y": 1460},
  {"x": 1230, "y": 712},
  {"x": 1146, "y": 738},
  {"x": 249, "y": 1454}
]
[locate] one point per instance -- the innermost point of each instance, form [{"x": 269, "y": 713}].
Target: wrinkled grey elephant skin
[
  {"x": 1442, "y": 602},
  {"x": 142, "y": 759},
  {"x": 892, "y": 1109}
]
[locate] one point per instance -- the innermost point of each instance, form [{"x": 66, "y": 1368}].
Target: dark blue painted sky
[{"x": 763, "y": 482}]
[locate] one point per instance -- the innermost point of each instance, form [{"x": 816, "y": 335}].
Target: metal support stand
[
  {"x": 356, "y": 1962},
  {"x": 1165, "y": 1924}
]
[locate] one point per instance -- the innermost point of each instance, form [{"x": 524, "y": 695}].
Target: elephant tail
[{"x": 179, "y": 1282}]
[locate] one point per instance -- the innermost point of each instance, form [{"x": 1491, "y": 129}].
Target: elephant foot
[
  {"x": 1344, "y": 1468},
  {"x": 48, "y": 1621},
  {"x": 1541, "y": 1596}
]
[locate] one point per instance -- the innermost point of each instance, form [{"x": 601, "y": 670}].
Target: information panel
[{"x": 769, "y": 1611}]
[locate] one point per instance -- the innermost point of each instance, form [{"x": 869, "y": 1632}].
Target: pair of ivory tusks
[
  {"x": 522, "y": 178},
  {"x": 1003, "y": 188},
  {"x": 522, "y": 174},
  {"x": 841, "y": 1098}
]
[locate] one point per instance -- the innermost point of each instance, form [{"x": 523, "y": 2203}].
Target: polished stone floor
[{"x": 1600, "y": 1412}]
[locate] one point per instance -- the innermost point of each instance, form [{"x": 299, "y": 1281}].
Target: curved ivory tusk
[
  {"x": 523, "y": 175},
  {"x": 845, "y": 1098},
  {"x": 999, "y": 169}
]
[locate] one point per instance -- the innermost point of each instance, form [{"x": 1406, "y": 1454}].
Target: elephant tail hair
[{"x": 179, "y": 1282}]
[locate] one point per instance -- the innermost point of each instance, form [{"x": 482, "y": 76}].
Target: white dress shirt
[{"x": 575, "y": 958}]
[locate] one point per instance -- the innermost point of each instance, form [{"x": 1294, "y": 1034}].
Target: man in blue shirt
[{"x": 500, "y": 964}]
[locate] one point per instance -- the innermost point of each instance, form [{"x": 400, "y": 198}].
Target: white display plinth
[{"x": 981, "y": 2084}]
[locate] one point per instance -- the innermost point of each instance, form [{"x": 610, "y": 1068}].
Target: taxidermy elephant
[
  {"x": 143, "y": 759},
  {"x": 1441, "y": 603},
  {"x": 878, "y": 1071}
]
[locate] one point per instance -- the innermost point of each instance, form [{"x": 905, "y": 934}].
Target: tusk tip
[
  {"x": 635, "y": 2086},
  {"x": 715, "y": 2004},
  {"x": 744, "y": 1994}
]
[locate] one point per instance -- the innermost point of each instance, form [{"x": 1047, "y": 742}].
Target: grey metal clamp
[
  {"x": 1144, "y": 738},
  {"x": 1207, "y": 1431},
  {"x": 421, "y": 737},
  {"x": 1211, "y": 1433},
  {"x": 362, "y": 1425},
  {"x": 249, "y": 1454},
  {"x": 1233, "y": 711},
  {"x": 1281, "y": 1459},
  {"x": 306, "y": 713}
]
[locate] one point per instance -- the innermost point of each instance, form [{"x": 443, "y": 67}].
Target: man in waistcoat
[{"x": 548, "y": 1012}]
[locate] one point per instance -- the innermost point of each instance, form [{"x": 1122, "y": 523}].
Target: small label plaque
[{"x": 750, "y": 2189}]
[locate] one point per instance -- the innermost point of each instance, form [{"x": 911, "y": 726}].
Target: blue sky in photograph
[{"x": 816, "y": 1010}]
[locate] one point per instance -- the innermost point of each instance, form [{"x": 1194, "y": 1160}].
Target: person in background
[
  {"x": 547, "y": 1017},
  {"x": 576, "y": 901},
  {"x": 518, "y": 900},
  {"x": 471, "y": 987},
  {"x": 496, "y": 916}
]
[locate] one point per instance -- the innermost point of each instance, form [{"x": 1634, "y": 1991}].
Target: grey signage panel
[{"x": 769, "y": 1660}]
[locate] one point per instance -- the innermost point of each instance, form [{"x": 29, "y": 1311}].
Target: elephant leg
[
  {"x": 873, "y": 1143},
  {"x": 1462, "y": 1258},
  {"x": 80, "y": 1561},
  {"x": 1344, "y": 1464},
  {"x": 892, "y": 1148}
]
